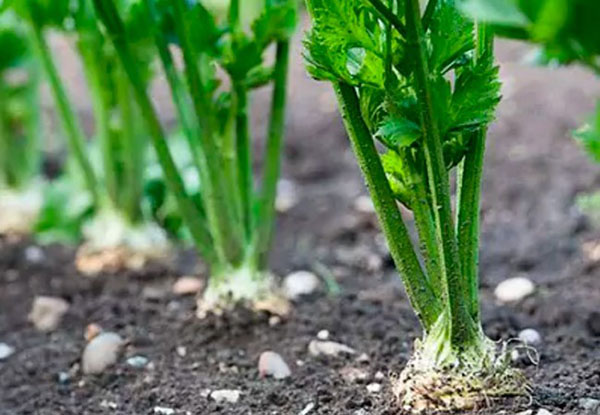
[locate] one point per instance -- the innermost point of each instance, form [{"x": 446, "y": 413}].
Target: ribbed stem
[
  {"x": 469, "y": 215},
  {"x": 73, "y": 131},
  {"x": 274, "y": 146},
  {"x": 244, "y": 159},
  {"x": 439, "y": 184},
  {"x": 420, "y": 293}
]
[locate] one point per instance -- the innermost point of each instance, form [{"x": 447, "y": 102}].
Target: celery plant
[
  {"x": 112, "y": 166},
  {"x": 20, "y": 185},
  {"x": 232, "y": 221},
  {"x": 424, "y": 86}
]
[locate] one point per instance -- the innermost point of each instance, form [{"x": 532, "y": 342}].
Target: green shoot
[
  {"x": 20, "y": 187},
  {"x": 232, "y": 221},
  {"x": 117, "y": 230},
  {"x": 391, "y": 68}
]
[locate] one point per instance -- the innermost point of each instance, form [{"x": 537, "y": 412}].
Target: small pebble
[
  {"x": 514, "y": 289},
  {"x": 63, "y": 378},
  {"x": 299, "y": 363},
  {"x": 544, "y": 412},
  {"x": 515, "y": 355},
  {"x": 300, "y": 283},
  {"x": 354, "y": 375},
  {"x": 181, "y": 351},
  {"x": 374, "y": 387},
  {"x": 272, "y": 364},
  {"x": 188, "y": 286},
  {"x": 318, "y": 347},
  {"x": 108, "y": 404},
  {"x": 100, "y": 353},
  {"x": 364, "y": 204},
  {"x": 287, "y": 196},
  {"x": 307, "y": 409},
  {"x": 363, "y": 358},
  {"x": 91, "y": 331},
  {"x": 274, "y": 321},
  {"x": 137, "y": 362},
  {"x": 6, "y": 351},
  {"x": 226, "y": 395},
  {"x": 591, "y": 406},
  {"x": 323, "y": 335},
  {"x": 34, "y": 254},
  {"x": 160, "y": 410},
  {"x": 47, "y": 312},
  {"x": 379, "y": 375},
  {"x": 530, "y": 336}
]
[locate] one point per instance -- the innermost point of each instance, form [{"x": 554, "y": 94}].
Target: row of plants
[{"x": 417, "y": 86}]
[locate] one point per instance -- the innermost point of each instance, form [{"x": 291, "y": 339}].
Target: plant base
[
  {"x": 19, "y": 209},
  {"x": 422, "y": 386},
  {"x": 253, "y": 289},
  {"x": 112, "y": 245}
]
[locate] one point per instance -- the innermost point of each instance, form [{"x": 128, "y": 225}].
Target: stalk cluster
[
  {"x": 231, "y": 220},
  {"x": 422, "y": 87}
]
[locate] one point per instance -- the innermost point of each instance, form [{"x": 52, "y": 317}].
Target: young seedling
[
  {"x": 416, "y": 92},
  {"x": 119, "y": 232},
  {"x": 231, "y": 222},
  {"x": 20, "y": 183}
]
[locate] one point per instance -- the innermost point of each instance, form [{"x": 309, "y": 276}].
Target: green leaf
[
  {"x": 589, "y": 136},
  {"x": 502, "y": 12},
  {"x": 276, "y": 22},
  {"x": 451, "y": 36},
  {"x": 398, "y": 132},
  {"x": 394, "y": 170}
]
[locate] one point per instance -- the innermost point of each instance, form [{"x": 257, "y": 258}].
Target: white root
[{"x": 19, "y": 209}]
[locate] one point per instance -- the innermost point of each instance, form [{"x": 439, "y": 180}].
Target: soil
[{"x": 531, "y": 227}]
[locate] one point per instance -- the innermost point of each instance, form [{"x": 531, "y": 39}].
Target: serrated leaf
[
  {"x": 276, "y": 22},
  {"x": 451, "y": 35},
  {"x": 398, "y": 132}
]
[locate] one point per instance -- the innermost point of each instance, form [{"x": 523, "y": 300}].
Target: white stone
[
  {"x": 379, "y": 375},
  {"x": 364, "y": 204},
  {"x": 544, "y": 412},
  {"x": 6, "y": 351},
  {"x": 47, "y": 312},
  {"x": 514, "y": 289},
  {"x": 272, "y": 364},
  {"x": 188, "y": 286},
  {"x": 374, "y": 387},
  {"x": 181, "y": 351},
  {"x": 160, "y": 410},
  {"x": 363, "y": 358},
  {"x": 592, "y": 406},
  {"x": 352, "y": 374},
  {"x": 307, "y": 409},
  {"x": 327, "y": 348},
  {"x": 34, "y": 254},
  {"x": 287, "y": 195},
  {"x": 226, "y": 395},
  {"x": 101, "y": 352},
  {"x": 138, "y": 362},
  {"x": 323, "y": 335},
  {"x": 530, "y": 336},
  {"x": 300, "y": 283}
]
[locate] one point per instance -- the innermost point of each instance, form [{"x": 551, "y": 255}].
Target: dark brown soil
[{"x": 530, "y": 227}]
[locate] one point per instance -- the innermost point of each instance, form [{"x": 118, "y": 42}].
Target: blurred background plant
[{"x": 20, "y": 181}]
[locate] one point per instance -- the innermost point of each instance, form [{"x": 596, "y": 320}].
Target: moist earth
[{"x": 531, "y": 227}]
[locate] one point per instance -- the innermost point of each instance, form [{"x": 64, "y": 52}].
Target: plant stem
[
  {"x": 73, "y": 130},
  {"x": 133, "y": 149},
  {"x": 419, "y": 291},
  {"x": 274, "y": 146},
  {"x": 439, "y": 183},
  {"x": 389, "y": 15},
  {"x": 469, "y": 202},
  {"x": 219, "y": 214},
  {"x": 5, "y": 144},
  {"x": 244, "y": 158},
  {"x": 109, "y": 15},
  {"x": 90, "y": 52}
]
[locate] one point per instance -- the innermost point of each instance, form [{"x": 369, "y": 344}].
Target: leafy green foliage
[
  {"x": 567, "y": 29},
  {"x": 348, "y": 43},
  {"x": 589, "y": 135}
]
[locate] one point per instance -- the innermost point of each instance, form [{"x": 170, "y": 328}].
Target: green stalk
[
  {"x": 33, "y": 151},
  {"x": 133, "y": 150},
  {"x": 73, "y": 130},
  {"x": 5, "y": 144},
  {"x": 244, "y": 158},
  {"x": 469, "y": 215},
  {"x": 90, "y": 52},
  {"x": 218, "y": 209},
  {"x": 420, "y": 293},
  {"x": 439, "y": 183},
  {"x": 108, "y": 13},
  {"x": 273, "y": 151}
]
